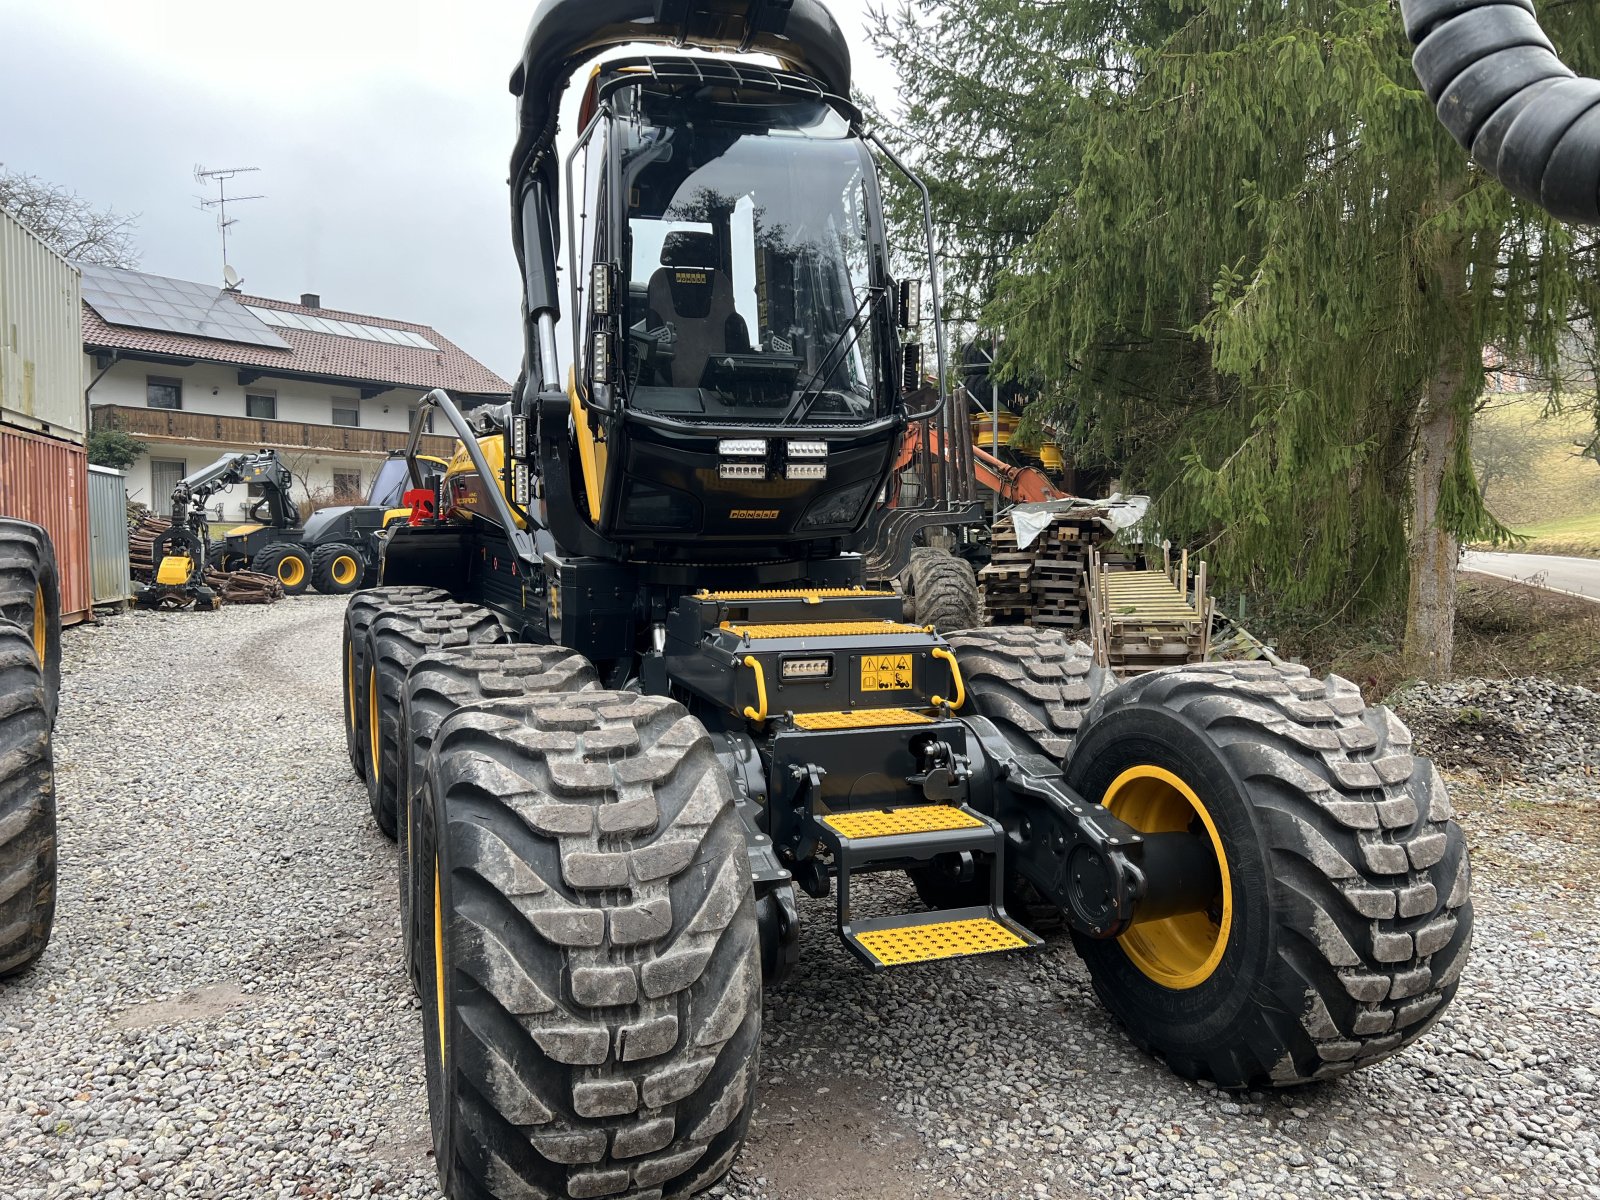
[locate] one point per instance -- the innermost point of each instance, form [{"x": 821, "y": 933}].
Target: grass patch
[
  {"x": 1578, "y": 536},
  {"x": 1535, "y": 479}
]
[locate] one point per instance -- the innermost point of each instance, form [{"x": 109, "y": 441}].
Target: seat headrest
[{"x": 685, "y": 249}]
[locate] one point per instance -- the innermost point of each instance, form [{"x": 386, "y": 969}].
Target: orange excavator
[{"x": 1011, "y": 483}]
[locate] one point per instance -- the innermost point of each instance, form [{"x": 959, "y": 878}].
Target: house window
[
  {"x": 347, "y": 413},
  {"x": 164, "y": 476},
  {"x": 427, "y": 423},
  {"x": 261, "y": 406},
  {"x": 347, "y": 483},
  {"x": 163, "y": 393}
]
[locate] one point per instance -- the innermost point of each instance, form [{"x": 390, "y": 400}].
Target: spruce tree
[{"x": 1255, "y": 274}]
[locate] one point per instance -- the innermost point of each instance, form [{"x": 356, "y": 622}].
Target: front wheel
[
  {"x": 27, "y": 805},
  {"x": 1340, "y": 920},
  {"x": 288, "y": 564},
  {"x": 592, "y": 993}
]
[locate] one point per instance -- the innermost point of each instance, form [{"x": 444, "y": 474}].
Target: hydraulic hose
[{"x": 1503, "y": 94}]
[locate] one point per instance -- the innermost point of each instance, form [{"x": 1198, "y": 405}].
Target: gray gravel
[{"x": 222, "y": 1013}]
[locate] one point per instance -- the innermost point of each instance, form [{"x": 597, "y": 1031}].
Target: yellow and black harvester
[{"x": 623, "y": 692}]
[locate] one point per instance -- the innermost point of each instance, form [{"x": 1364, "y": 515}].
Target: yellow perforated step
[
  {"x": 809, "y": 595},
  {"x": 908, "y": 944},
  {"x": 816, "y": 629},
  {"x": 865, "y": 718},
  {"x": 923, "y": 818}
]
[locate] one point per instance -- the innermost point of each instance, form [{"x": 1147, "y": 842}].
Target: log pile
[
  {"x": 141, "y": 547},
  {"x": 1047, "y": 584},
  {"x": 244, "y": 587}
]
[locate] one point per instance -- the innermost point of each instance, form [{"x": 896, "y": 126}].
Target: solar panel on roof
[
  {"x": 337, "y": 328},
  {"x": 140, "y": 301}
]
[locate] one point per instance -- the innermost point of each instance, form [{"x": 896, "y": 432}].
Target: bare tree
[{"x": 68, "y": 223}]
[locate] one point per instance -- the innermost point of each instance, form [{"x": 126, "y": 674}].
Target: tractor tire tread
[
  {"x": 27, "y": 567},
  {"x": 1034, "y": 684},
  {"x": 322, "y": 560},
  {"x": 27, "y": 805},
  {"x": 1372, "y": 914},
  {"x": 944, "y": 590},
  {"x": 395, "y": 641},
  {"x": 267, "y": 559},
  {"x": 363, "y": 609},
  {"x": 605, "y": 996}
]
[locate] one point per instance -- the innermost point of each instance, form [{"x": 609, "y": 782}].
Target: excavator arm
[{"x": 1013, "y": 484}]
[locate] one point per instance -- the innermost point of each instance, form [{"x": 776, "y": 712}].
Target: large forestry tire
[
  {"x": 30, "y": 596},
  {"x": 1034, "y": 684},
  {"x": 337, "y": 570},
  {"x": 1037, "y": 687},
  {"x": 944, "y": 591},
  {"x": 358, "y": 617},
  {"x": 289, "y": 564},
  {"x": 438, "y": 684},
  {"x": 592, "y": 1006},
  {"x": 394, "y": 643},
  {"x": 27, "y": 805},
  {"x": 1343, "y": 920}
]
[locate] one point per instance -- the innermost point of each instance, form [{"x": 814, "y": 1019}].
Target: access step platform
[{"x": 886, "y": 839}]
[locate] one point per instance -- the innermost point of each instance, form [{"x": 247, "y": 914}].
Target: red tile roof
[{"x": 325, "y": 354}]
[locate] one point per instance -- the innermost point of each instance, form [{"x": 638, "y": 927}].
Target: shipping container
[
  {"x": 41, "y": 337},
  {"x": 46, "y": 481},
  {"x": 108, "y": 536}
]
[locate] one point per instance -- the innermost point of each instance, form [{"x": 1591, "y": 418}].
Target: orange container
[{"x": 46, "y": 481}]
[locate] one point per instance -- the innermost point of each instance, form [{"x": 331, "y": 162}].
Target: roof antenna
[{"x": 230, "y": 277}]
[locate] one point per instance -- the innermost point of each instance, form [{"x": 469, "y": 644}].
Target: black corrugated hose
[{"x": 1504, "y": 95}]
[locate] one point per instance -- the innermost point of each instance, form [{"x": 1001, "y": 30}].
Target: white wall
[
  {"x": 315, "y": 472},
  {"x": 214, "y": 389}
]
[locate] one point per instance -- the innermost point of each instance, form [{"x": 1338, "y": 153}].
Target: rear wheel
[
  {"x": 1037, "y": 687},
  {"x": 395, "y": 641},
  {"x": 592, "y": 1001},
  {"x": 288, "y": 564},
  {"x": 1342, "y": 919},
  {"x": 358, "y": 617},
  {"x": 438, "y": 684},
  {"x": 944, "y": 590},
  {"x": 27, "y": 805},
  {"x": 337, "y": 570},
  {"x": 30, "y": 596}
]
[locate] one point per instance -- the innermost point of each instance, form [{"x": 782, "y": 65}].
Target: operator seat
[{"x": 690, "y": 293}]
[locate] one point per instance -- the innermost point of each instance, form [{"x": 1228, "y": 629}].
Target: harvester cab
[{"x": 625, "y": 688}]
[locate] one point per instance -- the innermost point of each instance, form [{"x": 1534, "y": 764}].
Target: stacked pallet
[
  {"x": 1145, "y": 620},
  {"x": 1046, "y": 584}
]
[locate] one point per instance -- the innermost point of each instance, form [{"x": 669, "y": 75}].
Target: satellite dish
[{"x": 230, "y": 278}]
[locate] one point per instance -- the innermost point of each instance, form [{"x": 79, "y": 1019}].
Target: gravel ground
[{"x": 222, "y": 1013}]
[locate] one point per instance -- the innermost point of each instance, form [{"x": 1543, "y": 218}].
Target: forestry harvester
[{"x": 623, "y": 690}]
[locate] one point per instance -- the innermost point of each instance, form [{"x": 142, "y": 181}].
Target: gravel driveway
[{"x": 222, "y": 1013}]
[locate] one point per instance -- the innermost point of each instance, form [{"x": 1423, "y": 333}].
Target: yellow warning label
[{"x": 886, "y": 672}]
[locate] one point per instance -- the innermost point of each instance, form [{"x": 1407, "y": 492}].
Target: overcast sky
[{"x": 383, "y": 130}]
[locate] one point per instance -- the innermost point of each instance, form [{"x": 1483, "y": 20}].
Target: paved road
[{"x": 1580, "y": 576}]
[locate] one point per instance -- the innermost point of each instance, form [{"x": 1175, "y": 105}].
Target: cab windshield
[{"x": 756, "y": 282}]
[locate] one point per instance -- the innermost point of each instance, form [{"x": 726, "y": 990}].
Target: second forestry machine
[{"x": 623, "y": 691}]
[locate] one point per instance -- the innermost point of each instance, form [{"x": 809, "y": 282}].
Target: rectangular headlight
[
  {"x": 742, "y": 448},
  {"x": 600, "y": 288},
  {"x": 808, "y": 471},
  {"x": 743, "y": 470},
  {"x": 519, "y": 437},
  {"x": 600, "y": 371},
  {"x": 808, "y": 449},
  {"x": 521, "y": 486},
  {"x": 806, "y": 668}
]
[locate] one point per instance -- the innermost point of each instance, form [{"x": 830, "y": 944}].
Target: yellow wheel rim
[
  {"x": 372, "y": 719},
  {"x": 291, "y": 571},
  {"x": 344, "y": 570},
  {"x": 1180, "y": 951},
  {"x": 438, "y": 960},
  {"x": 41, "y": 624}
]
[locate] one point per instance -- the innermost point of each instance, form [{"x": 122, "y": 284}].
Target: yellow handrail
[
  {"x": 955, "y": 673},
  {"x": 751, "y": 714}
]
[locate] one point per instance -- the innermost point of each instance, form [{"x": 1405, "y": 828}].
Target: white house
[{"x": 196, "y": 372}]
